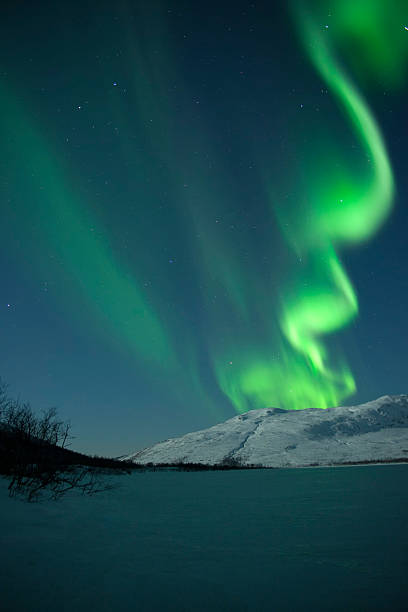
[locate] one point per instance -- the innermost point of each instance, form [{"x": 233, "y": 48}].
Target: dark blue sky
[{"x": 143, "y": 148}]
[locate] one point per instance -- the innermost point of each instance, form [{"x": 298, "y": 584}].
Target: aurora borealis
[{"x": 203, "y": 210}]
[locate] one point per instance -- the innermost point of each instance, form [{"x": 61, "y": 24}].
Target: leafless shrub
[
  {"x": 54, "y": 483},
  {"x": 34, "y": 454}
]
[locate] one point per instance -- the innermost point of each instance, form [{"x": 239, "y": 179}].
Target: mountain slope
[{"x": 377, "y": 430}]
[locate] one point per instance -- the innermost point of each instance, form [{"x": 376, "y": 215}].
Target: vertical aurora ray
[
  {"x": 342, "y": 206},
  {"x": 113, "y": 298},
  {"x": 351, "y": 212}
]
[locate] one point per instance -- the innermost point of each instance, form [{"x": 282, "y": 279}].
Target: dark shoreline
[{"x": 203, "y": 467}]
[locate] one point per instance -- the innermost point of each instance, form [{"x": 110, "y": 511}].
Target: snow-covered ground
[
  {"x": 377, "y": 430},
  {"x": 243, "y": 541}
]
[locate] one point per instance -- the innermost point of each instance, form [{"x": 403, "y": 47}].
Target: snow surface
[
  {"x": 273, "y": 437},
  {"x": 320, "y": 540}
]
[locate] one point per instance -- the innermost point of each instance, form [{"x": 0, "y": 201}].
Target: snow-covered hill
[{"x": 377, "y": 430}]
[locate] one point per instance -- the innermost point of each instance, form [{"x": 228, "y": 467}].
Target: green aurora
[
  {"x": 264, "y": 343},
  {"x": 348, "y": 208}
]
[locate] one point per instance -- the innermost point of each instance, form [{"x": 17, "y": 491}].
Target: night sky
[{"x": 203, "y": 210}]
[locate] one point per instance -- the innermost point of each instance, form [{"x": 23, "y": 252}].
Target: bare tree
[
  {"x": 34, "y": 454},
  {"x": 56, "y": 483}
]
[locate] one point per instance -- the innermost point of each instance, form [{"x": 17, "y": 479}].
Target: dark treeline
[
  {"x": 35, "y": 457},
  {"x": 236, "y": 465}
]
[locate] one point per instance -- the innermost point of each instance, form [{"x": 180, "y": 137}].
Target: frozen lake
[{"x": 294, "y": 539}]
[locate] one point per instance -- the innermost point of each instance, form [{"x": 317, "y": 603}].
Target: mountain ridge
[{"x": 274, "y": 437}]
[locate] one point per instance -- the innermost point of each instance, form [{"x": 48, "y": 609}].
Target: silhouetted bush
[{"x": 35, "y": 457}]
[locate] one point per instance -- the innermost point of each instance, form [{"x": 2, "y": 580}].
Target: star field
[{"x": 202, "y": 210}]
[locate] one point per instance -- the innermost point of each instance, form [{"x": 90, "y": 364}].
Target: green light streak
[
  {"x": 346, "y": 215},
  {"x": 345, "y": 209},
  {"x": 327, "y": 305},
  {"x": 93, "y": 274},
  {"x": 350, "y": 214}
]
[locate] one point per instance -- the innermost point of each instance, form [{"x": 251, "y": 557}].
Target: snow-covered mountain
[{"x": 377, "y": 430}]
